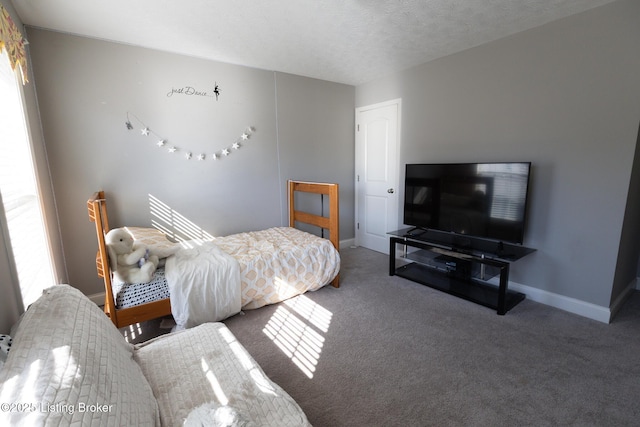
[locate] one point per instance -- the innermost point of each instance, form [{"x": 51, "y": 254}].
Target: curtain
[{"x": 12, "y": 41}]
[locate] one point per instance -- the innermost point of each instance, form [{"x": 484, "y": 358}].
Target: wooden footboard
[{"x": 330, "y": 223}]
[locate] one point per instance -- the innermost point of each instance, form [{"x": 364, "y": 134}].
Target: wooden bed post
[
  {"x": 330, "y": 223},
  {"x": 98, "y": 214}
]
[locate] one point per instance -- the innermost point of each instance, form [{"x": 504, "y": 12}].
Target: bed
[{"x": 263, "y": 267}]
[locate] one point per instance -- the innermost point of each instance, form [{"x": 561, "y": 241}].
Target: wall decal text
[{"x": 192, "y": 91}]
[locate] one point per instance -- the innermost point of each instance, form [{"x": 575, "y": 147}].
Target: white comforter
[{"x": 204, "y": 284}]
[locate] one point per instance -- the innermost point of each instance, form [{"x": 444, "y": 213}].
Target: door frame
[{"x": 396, "y": 178}]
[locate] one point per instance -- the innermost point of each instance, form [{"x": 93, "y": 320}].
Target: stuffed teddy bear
[{"x": 130, "y": 263}]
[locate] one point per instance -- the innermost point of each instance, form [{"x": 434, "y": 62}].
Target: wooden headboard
[{"x": 330, "y": 223}]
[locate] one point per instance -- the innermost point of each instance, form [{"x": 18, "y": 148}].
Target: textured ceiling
[{"x": 346, "y": 41}]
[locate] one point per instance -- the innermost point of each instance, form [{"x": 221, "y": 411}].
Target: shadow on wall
[{"x": 176, "y": 226}]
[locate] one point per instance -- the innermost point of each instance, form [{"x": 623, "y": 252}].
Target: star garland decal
[{"x": 171, "y": 149}]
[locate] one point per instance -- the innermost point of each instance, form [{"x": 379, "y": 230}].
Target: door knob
[{"x": 390, "y": 191}]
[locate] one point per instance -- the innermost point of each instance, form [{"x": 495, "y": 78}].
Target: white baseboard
[
  {"x": 347, "y": 243},
  {"x": 572, "y": 305}
]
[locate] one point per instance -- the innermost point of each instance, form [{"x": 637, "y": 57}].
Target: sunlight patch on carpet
[
  {"x": 132, "y": 331},
  {"x": 294, "y": 332},
  {"x": 317, "y": 315}
]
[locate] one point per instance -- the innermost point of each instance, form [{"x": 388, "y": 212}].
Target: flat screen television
[{"x": 486, "y": 200}]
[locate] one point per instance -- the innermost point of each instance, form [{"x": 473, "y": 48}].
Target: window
[
  {"x": 509, "y": 189},
  {"x": 19, "y": 189}
]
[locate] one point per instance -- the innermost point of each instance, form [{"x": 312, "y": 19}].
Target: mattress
[{"x": 132, "y": 294}]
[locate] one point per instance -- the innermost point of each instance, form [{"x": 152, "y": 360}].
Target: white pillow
[{"x": 67, "y": 355}]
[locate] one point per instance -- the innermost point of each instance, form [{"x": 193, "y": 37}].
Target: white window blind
[
  {"x": 19, "y": 190},
  {"x": 508, "y": 190}
]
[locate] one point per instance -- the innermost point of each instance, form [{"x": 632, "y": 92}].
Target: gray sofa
[{"x": 68, "y": 365}]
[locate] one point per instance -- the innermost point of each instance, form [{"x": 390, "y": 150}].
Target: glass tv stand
[{"x": 459, "y": 265}]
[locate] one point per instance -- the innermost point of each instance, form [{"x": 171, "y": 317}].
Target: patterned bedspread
[
  {"x": 280, "y": 263},
  {"x": 275, "y": 264}
]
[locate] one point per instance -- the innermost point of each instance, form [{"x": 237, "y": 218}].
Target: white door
[{"x": 377, "y": 139}]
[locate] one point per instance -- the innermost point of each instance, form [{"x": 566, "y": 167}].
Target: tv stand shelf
[{"x": 460, "y": 266}]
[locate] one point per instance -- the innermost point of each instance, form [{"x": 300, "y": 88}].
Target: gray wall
[
  {"x": 564, "y": 96},
  {"x": 312, "y": 127},
  {"x": 626, "y": 268},
  {"x": 85, "y": 89}
]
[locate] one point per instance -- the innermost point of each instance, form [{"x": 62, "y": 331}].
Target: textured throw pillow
[{"x": 69, "y": 365}]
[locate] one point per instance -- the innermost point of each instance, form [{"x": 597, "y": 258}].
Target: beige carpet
[{"x": 384, "y": 351}]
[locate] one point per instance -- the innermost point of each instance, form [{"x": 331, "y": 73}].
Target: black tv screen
[{"x": 487, "y": 200}]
